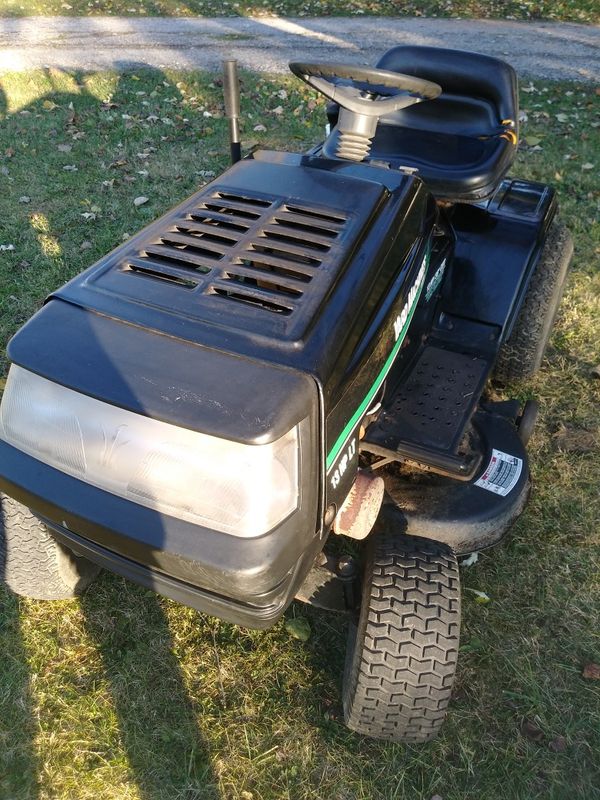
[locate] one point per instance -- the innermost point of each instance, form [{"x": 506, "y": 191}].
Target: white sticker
[{"x": 502, "y": 473}]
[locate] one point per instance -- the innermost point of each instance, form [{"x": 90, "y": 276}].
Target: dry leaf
[
  {"x": 575, "y": 440},
  {"x": 64, "y": 148},
  {"x": 591, "y": 672},
  {"x": 558, "y": 745},
  {"x": 532, "y": 731},
  {"x": 140, "y": 201}
]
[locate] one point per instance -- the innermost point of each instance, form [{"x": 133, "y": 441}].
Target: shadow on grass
[
  {"x": 158, "y": 728},
  {"x": 18, "y": 759},
  {"x": 167, "y": 754}
]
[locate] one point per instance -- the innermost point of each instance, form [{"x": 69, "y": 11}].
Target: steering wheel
[{"x": 365, "y": 90}]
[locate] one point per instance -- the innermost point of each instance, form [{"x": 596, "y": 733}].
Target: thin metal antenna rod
[{"x": 231, "y": 92}]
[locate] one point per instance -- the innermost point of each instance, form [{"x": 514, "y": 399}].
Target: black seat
[{"x": 462, "y": 143}]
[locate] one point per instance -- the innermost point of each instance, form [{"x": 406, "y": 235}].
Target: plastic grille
[{"x": 243, "y": 248}]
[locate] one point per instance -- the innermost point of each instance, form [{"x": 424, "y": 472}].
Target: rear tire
[
  {"x": 402, "y": 654},
  {"x": 521, "y": 355},
  {"x": 32, "y": 563}
]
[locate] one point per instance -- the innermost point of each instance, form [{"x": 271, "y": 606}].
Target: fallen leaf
[
  {"x": 591, "y": 672},
  {"x": 562, "y": 117},
  {"x": 4, "y": 247},
  {"x": 480, "y": 597},
  {"x": 298, "y": 628},
  {"x": 140, "y": 201},
  {"x": 85, "y": 245},
  {"x": 24, "y": 199},
  {"x": 587, "y": 165},
  {"x": 259, "y": 128},
  {"x": 471, "y": 559},
  {"x": 532, "y": 731},
  {"x": 575, "y": 440},
  {"x": 70, "y": 168},
  {"x": 531, "y": 141},
  {"x": 49, "y": 105},
  {"x": 558, "y": 744}
]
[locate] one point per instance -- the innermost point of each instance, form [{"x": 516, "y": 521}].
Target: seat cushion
[
  {"x": 455, "y": 167},
  {"x": 457, "y": 142},
  {"x": 469, "y": 75}
]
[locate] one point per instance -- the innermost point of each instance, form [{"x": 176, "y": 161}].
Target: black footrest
[{"x": 427, "y": 418}]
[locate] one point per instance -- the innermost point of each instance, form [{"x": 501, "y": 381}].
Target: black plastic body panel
[
  {"x": 163, "y": 377},
  {"x": 497, "y": 244},
  {"x": 261, "y": 573},
  {"x": 338, "y": 333}
]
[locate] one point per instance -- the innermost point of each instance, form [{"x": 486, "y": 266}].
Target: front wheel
[
  {"x": 32, "y": 563},
  {"x": 402, "y": 653}
]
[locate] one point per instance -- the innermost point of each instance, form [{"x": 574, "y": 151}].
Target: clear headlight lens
[{"x": 243, "y": 490}]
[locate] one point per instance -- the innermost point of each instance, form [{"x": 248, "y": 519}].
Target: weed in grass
[{"x": 126, "y": 695}]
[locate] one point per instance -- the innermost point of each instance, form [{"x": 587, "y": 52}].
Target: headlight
[{"x": 244, "y": 490}]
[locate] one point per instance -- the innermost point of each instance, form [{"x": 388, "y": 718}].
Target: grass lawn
[
  {"x": 126, "y": 695},
  {"x": 571, "y": 10}
]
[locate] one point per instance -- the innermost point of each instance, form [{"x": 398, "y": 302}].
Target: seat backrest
[{"x": 478, "y": 79}]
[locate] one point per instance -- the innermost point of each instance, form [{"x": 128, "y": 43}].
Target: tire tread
[{"x": 402, "y": 656}]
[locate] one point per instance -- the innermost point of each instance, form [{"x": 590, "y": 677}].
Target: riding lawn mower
[{"x": 281, "y": 388}]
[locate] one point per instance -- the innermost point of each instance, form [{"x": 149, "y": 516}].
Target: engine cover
[{"x": 285, "y": 273}]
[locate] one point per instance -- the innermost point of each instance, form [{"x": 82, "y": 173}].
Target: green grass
[
  {"x": 571, "y": 10},
  {"x": 126, "y": 695}
]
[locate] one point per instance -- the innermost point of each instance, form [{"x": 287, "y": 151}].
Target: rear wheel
[
  {"x": 521, "y": 355},
  {"x": 402, "y": 653},
  {"x": 32, "y": 563}
]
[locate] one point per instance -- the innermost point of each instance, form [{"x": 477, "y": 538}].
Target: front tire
[
  {"x": 32, "y": 563},
  {"x": 402, "y": 654}
]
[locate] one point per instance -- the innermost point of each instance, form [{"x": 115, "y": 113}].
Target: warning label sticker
[{"x": 502, "y": 473}]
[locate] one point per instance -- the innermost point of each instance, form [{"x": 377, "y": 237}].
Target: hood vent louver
[{"x": 244, "y": 248}]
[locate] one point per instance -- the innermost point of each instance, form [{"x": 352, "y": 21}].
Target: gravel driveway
[{"x": 536, "y": 49}]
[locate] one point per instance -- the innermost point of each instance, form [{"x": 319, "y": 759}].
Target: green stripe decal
[{"x": 364, "y": 406}]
